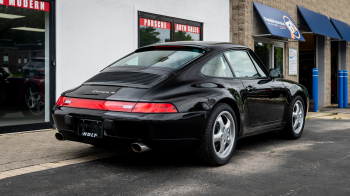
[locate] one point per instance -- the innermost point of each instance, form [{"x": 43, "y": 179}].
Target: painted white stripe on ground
[{"x": 46, "y": 166}]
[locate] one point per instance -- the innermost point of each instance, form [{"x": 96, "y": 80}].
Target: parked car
[
  {"x": 204, "y": 95},
  {"x": 24, "y": 94}
]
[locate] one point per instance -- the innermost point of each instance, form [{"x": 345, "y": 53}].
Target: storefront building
[
  {"x": 316, "y": 34},
  {"x": 47, "y": 47}
]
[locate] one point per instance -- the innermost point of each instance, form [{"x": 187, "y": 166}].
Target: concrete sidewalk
[
  {"x": 330, "y": 113},
  {"x": 20, "y": 150}
]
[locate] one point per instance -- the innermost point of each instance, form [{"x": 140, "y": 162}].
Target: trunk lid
[{"x": 120, "y": 84}]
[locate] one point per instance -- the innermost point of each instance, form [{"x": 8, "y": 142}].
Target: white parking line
[{"x": 46, "y": 166}]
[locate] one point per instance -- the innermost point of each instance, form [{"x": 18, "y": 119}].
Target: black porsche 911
[{"x": 200, "y": 95}]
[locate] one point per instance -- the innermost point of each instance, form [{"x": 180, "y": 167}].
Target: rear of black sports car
[{"x": 136, "y": 99}]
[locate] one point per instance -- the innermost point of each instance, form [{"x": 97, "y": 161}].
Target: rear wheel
[
  {"x": 296, "y": 120},
  {"x": 218, "y": 140},
  {"x": 35, "y": 101}
]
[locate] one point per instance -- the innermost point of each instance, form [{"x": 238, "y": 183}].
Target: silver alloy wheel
[
  {"x": 298, "y": 116},
  {"x": 223, "y": 134}
]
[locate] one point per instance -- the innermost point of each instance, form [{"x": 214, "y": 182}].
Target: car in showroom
[{"x": 199, "y": 95}]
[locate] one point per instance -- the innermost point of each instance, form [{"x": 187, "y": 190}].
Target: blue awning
[
  {"x": 278, "y": 23},
  {"x": 318, "y": 23},
  {"x": 342, "y": 28}
]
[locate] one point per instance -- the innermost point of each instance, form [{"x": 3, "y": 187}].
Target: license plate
[{"x": 90, "y": 128}]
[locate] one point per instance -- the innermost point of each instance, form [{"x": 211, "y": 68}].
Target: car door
[{"x": 264, "y": 96}]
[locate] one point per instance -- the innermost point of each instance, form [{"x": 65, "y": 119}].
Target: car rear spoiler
[{"x": 171, "y": 47}]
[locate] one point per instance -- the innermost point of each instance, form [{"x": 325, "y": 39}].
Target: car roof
[{"x": 216, "y": 45}]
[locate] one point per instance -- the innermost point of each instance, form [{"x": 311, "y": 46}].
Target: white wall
[{"x": 91, "y": 34}]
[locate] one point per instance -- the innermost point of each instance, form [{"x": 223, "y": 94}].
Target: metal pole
[
  {"x": 345, "y": 78},
  {"x": 315, "y": 88},
  {"x": 340, "y": 89}
]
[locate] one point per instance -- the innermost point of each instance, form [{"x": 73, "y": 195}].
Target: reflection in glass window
[
  {"x": 160, "y": 58},
  {"x": 186, "y": 33},
  {"x": 278, "y": 59},
  {"x": 217, "y": 67},
  {"x": 263, "y": 51},
  {"x": 25, "y": 97},
  {"x": 154, "y": 31},
  {"x": 241, "y": 64}
]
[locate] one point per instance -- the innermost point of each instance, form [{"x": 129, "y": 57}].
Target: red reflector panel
[
  {"x": 154, "y": 108},
  {"x": 95, "y": 104},
  {"x": 118, "y": 106}
]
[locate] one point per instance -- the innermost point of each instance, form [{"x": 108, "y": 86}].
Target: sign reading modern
[{"x": 29, "y": 4}]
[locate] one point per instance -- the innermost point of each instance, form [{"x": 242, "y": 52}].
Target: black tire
[
  {"x": 205, "y": 150},
  {"x": 288, "y": 131}
]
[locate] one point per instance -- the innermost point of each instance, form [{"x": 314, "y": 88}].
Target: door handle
[{"x": 249, "y": 89}]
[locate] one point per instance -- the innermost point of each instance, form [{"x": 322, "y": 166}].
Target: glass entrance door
[{"x": 24, "y": 64}]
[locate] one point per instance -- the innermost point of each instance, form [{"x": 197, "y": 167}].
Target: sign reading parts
[{"x": 29, "y": 4}]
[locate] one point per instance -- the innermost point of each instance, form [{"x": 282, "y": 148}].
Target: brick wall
[{"x": 242, "y": 29}]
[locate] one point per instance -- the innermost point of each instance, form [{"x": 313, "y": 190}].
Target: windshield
[
  {"x": 36, "y": 64},
  {"x": 160, "y": 58}
]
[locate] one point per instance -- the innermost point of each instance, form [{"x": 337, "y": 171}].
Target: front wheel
[
  {"x": 296, "y": 119},
  {"x": 218, "y": 140}
]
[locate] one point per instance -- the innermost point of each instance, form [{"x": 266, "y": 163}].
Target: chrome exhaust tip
[
  {"x": 59, "y": 136},
  {"x": 140, "y": 147}
]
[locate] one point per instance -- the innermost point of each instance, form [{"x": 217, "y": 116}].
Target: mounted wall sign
[
  {"x": 28, "y": 4},
  {"x": 293, "y": 62},
  {"x": 155, "y": 23},
  {"x": 187, "y": 28},
  {"x": 279, "y": 23}
]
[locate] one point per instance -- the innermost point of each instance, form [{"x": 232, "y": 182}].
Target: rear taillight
[
  {"x": 116, "y": 105},
  {"x": 60, "y": 101},
  {"x": 154, "y": 108}
]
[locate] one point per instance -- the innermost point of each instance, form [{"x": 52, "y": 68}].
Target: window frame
[
  {"x": 253, "y": 56},
  {"x": 274, "y": 44},
  {"x": 172, "y": 21},
  {"x": 225, "y": 59},
  {"x": 246, "y": 51}
]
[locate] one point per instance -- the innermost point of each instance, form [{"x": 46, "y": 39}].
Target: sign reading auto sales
[
  {"x": 154, "y": 23},
  {"x": 29, "y": 4},
  {"x": 187, "y": 28}
]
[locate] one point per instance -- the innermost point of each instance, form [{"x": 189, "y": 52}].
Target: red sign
[
  {"x": 154, "y": 23},
  {"x": 187, "y": 28},
  {"x": 29, "y": 4}
]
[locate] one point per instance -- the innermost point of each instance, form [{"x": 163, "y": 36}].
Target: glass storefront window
[
  {"x": 187, "y": 33},
  {"x": 24, "y": 84},
  {"x": 158, "y": 29},
  {"x": 271, "y": 55},
  {"x": 154, "y": 31},
  {"x": 263, "y": 51},
  {"x": 278, "y": 59}
]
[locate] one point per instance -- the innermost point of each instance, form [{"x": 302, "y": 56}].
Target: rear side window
[
  {"x": 241, "y": 64},
  {"x": 217, "y": 67},
  {"x": 160, "y": 58}
]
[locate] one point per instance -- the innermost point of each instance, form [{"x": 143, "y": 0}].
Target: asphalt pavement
[{"x": 316, "y": 164}]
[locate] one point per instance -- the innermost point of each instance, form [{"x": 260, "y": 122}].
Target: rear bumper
[{"x": 134, "y": 126}]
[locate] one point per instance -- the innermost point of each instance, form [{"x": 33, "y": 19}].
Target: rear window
[{"x": 160, "y": 58}]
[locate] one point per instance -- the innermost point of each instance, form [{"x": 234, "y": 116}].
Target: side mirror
[{"x": 274, "y": 74}]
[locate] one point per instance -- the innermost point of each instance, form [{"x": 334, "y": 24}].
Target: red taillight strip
[{"x": 116, "y": 105}]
